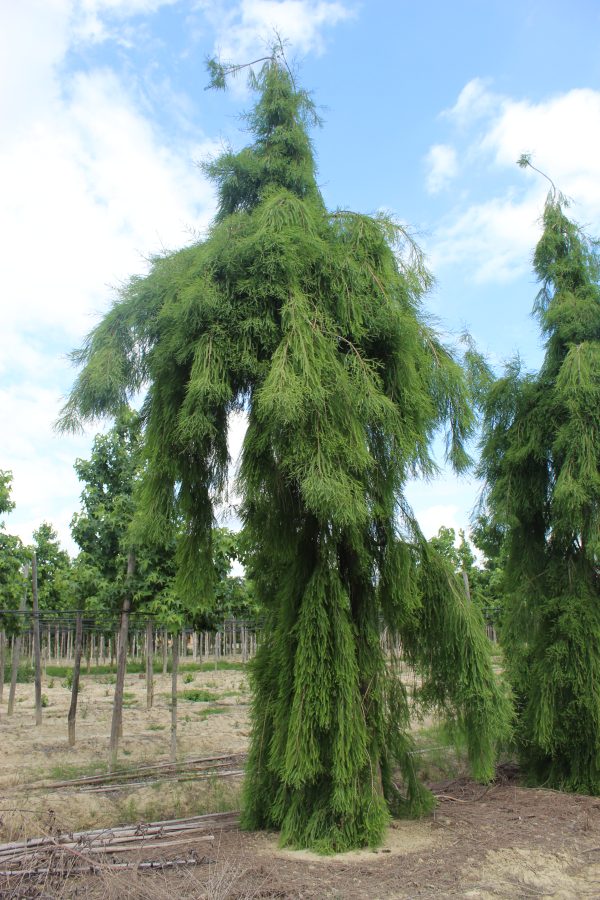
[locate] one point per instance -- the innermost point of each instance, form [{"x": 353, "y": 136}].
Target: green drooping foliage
[
  {"x": 310, "y": 321},
  {"x": 541, "y": 460}
]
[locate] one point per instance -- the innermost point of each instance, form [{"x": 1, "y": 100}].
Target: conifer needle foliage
[
  {"x": 541, "y": 459},
  {"x": 311, "y": 322}
]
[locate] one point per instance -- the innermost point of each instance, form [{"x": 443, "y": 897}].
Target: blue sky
[{"x": 426, "y": 107}]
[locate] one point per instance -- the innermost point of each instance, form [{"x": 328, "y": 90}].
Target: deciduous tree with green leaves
[
  {"x": 311, "y": 322},
  {"x": 541, "y": 460},
  {"x": 13, "y": 554},
  {"x": 54, "y": 570}
]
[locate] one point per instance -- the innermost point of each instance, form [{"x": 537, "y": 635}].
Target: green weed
[{"x": 198, "y": 695}]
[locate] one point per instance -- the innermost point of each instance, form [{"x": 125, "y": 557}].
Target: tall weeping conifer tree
[
  {"x": 541, "y": 459},
  {"x": 310, "y": 321}
]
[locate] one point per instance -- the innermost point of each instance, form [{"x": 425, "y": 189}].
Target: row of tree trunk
[
  {"x": 58, "y": 643},
  {"x": 236, "y": 639}
]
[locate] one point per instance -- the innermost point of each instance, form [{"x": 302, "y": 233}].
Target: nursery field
[
  {"x": 212, "y": 717},
  {"x": 501, "y": 840}
]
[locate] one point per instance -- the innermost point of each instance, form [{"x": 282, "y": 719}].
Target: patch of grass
[
  {"x": 155, "y": 727},
  {"x": 198, "y": 695},
  {"x": 67, "y": 771},
  {"x": 222, "y": 666},
  {"x": 135, "y": 668},
  {"x": 211, "y": 711}
]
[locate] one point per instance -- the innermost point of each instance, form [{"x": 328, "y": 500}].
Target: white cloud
[
  {"x": 474, "y": 102},
  {"x": 445, "y": 500},
  {"x": 431, "y": 519},
  {"x": 89, "y": 188},
  {"x": 248, "y": 27},
  {"x": 563, "y": 135},
  {"x": 95, "y": 21},
  {"x": 495, "y": 238},
  {"x": 443, "y": 167}
]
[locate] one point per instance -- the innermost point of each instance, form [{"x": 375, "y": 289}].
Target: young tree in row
[
  {"x": 541, "y": 459},
  {"x": 122, "y": 573},
  {"x": 13, "y": 556},
  {"x": 54, "y": 570},
  {"x": 483, "y": 582},
  {"x": 310, "y": 321}
]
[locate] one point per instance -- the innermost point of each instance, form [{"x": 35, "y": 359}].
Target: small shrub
[
  {"x": 51, "y": 683},
  {"x": 188, "y": 678},
  {"x": 45, "y": 701},
  {"x": 68, "y": 682}
]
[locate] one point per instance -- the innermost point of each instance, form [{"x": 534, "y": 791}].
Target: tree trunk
[
  {"x": 117, "y": 714},
  {"x": 75, "y": 683},
  {"x": 16, "y": 650},
  {"x": 466, "y": 584},
  {"x": 2, "y": 661},
  {"x": 149, "y": 665},
  {"x": 37, "y": 658},
  {"x": 174, "y": 698},
  {"x": 164, "y": 649}
]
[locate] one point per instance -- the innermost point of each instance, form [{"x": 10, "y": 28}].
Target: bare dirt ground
[
  {"x": 30, "y": 756},
  {"x": 500, "y": 841}
]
